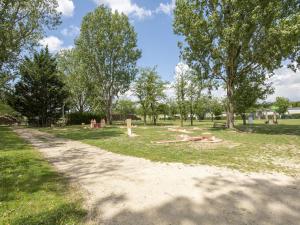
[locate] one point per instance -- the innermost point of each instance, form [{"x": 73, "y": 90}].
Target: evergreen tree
[{"x": 39, "y": 94}]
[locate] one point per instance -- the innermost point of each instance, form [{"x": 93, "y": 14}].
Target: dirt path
[{"x": 132, "y": 191}]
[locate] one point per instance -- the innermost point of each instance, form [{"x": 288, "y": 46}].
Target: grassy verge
[
  {"x": 269, "y": 148},
  {"x": 31, "y": 192}
]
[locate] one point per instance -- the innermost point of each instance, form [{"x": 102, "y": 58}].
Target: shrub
[{"x": 291, "y": 116}]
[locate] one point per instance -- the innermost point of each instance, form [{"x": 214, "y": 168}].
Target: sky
[{"x": 152, "y": 20}]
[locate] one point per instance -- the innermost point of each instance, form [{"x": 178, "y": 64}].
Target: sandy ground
[{"x": 132, "y": 191}]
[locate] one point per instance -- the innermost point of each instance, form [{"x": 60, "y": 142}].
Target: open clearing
[
  {"x": 269, "y": 148},
  {"x": 127, "y": 190}
]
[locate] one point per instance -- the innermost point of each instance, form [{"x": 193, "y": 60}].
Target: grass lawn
[
  {"x": 269, "y": 148},
  {"x": 31, "y": 192}
]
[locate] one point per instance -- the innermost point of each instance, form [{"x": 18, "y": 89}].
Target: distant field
[
  {"x": 31, "y": 192},
  {"x": 270, "y": 148}
]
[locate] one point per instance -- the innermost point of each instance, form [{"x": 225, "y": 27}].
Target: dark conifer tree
[{"x": 39, "y": 94}]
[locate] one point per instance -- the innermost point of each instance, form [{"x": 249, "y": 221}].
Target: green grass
[
  {"x": 269, "y": 148},
  {"x": 31, "y": 192}
]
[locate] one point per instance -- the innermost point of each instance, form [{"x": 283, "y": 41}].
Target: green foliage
[
  {"x": 76, "y": 78},
  {"x": 149, "y": 89},
  {"x": 295, "y": 104},
  {"x": 78, "y": 118},
  {"x": 230, "y": 39},
  {"x": 39, "y": 94},
  {"x": 282, "y": 105},
  {"x": 202, "y": 107},
  {"x": 181, "y": 89},
  {"x": 216, "y": 107},
  {"x": 107, "y": 46},
  {"x": 31, "y": 192},
  {"x": 22, "y": 25},
  {"x": 6, "y": 109},
  {"x": 248, "y": 90},
  {"x": 125, "y": 107}
]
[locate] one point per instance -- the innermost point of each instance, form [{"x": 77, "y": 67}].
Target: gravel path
[{"x": 133, "y": 191}]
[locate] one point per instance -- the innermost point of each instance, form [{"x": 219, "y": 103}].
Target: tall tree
[
  {"x": 181, "y": 88},
  {"x": 76, "y": 78},
  {"x": 39, "y": 94},
  {"x": 108, "y": 46},
  {"x": 149, "y": 89},
  {"x": 22, "y": 24},
  {"x": 141, "y": 92},
  {"x": 231, "y": 39}
]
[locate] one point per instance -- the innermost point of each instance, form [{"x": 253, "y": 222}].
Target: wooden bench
[{"x": 219, "y": 125}]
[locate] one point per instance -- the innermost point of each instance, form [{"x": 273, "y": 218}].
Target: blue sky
[{"x": 152, "y": 20}]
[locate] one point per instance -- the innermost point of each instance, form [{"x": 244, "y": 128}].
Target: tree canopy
[
  {"x": 39, "y": 94},
  {"x": 108, "y": 46},
  {"x": 22, "y": 25},
  {"x": 229, "y": 39}
]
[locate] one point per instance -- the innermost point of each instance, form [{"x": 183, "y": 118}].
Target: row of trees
[
  {"x": 231, "y": 44},
  {"x": 238, "y": 44}
]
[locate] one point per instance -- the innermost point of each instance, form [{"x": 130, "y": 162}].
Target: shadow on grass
[
  {"x": 28, "y": 182},
  {"x": 222, "y": 201},
  {"x": 10, "y": 142},
  {"x": 272, "y": 129},
  {"x": 63, "y": 214},
  {"x": 90, "y": 134},
  {"x": 23, "y": 173}
]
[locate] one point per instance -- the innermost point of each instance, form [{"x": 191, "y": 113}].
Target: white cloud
[
  {"x": 54, "y": 43},
  {"x": 70, "y": 31},
  {"x": 126, "y": 7},
  {"x": 66, "y": 7},
  {"x": 286, "y": 84},
  {"x": 166, "y": 8}
]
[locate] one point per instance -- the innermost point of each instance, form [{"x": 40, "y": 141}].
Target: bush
[
  {"x": 291, "y": 116},
  {"x": 85, "y": 117}
]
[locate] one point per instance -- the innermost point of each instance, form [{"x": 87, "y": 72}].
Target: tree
[
  {"x": 125, "y": 107},
  {"x": 248, "y": 91},
  {"x": 216, "y": 107},
  {"x": 22, "y": 24},
  {"x": 282, "y": 105},
  {"x": 39, "y": 94},
  {"x": 231, "y": 39},
  {"x": 163, "y": 109},
  {"x": 181, "y": 87},
  {"x": 76, "y": 78},
  {"x": 108, "y": 47},
  {"x": 149, "y": 89},
  {"x": 202, "y": 107}
]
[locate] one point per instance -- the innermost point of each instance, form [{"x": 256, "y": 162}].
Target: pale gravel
[{"x": 125, "y": 190}]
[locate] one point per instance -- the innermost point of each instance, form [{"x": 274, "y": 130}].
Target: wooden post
[{"x": 129, "y": 132}]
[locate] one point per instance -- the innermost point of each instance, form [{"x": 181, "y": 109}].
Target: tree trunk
[
  {"x": 109, "y": 111},
  {"x": 154, "y": 120},
  {"x": 145, "y": 118},
  {"x": 230, "y": 109},
  {"x": 243, "y": 115}
]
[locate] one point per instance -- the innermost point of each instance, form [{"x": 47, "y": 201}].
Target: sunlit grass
[
  {"x": 31, "y": 192},
  {"x": 270, "y": 148}
]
